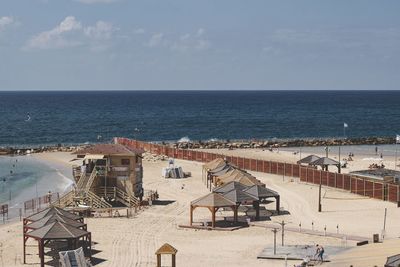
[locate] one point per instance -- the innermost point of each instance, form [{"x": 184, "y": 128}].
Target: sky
[{"x": 199, "y": 45}]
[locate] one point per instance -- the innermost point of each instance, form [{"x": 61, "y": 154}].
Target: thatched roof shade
[
  {"x": 239, "y": 176},
  {"x": 231, "y": 175},
  {"x": 393, "y": 261},
  {"x": 166, "y": 249},
  {"x": 260, "y": 192},
  {"x": 229, "y": 186},
  {"x": 109, "y": 149},
  {"x": 308, "y": 159},
  {"x": 324, "y": 162},
  {"x": 249, "y": 180},
  {"x": 218, "y": 162},
  {"x": 57, "y": 230},
  {"x": 212, "y": 200},
  {"x": 222, "y": 171},
  {"x": 239, "y": 196},
  {"x": 52, "y": 218},
  {"x": 50, "y": 211}
]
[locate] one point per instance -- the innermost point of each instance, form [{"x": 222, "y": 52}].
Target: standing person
[
  {"x": 376, "y": 151},
  {"x": 320, "y": 253}
]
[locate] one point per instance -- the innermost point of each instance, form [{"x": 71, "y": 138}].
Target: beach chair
[{"x": 74, "y": 258}]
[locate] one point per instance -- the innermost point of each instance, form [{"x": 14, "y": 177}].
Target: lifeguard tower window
[
  {"x": 125, "y": 161},
  {"x": 101, "y": 162}
]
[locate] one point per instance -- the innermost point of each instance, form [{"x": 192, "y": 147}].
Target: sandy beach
[{"x": 133, "y": 241}]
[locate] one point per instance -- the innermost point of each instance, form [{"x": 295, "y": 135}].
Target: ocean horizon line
[{"x": 196, "y": 90}]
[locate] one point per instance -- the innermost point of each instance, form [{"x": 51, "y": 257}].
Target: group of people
[
  {"x": 319, "y": 256},
  {"x": 376, "y": 166}
]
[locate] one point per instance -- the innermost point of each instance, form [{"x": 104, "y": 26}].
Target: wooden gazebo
[
  {"x": 52, "y": 218},
  {"x": 169, "y": 250},
  {"x": 213, "y": 202},
  {"x": 262, "y": 193},
  {"x": 57, "y": 231},
  {"x": 50, "y": 211},
  {"x": 240, "y": 197}
]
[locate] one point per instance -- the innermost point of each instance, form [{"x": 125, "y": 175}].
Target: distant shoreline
[{"x": 214, "y": 143}]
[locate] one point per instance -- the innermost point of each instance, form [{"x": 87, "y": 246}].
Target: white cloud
[
  {"x": 195, "y": 41},
  {"x": 156, "y": 40},
  {"x": 139, "y": 31},
  {"x": 70, "y": 32},
  {"x": 55, "y": 38},
  {"x": 102, "y": 30},
  {"x": 96, "y": 1},
  {"x": 5, "y": 22}
]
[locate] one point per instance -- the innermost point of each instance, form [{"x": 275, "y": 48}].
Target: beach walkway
[{"x": 313, "y": 232}]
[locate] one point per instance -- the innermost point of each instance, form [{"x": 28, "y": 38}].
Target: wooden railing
[
  {"x": 119, "y": 195},
  {"x": 82, "y": 180},
  {"x": 89, "y": 183}
]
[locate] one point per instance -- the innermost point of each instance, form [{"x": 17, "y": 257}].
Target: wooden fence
[
  {"x": 4, "y": 211},
  {"x": 357, "y": 185},
  {"x": 36, "y": 204}
]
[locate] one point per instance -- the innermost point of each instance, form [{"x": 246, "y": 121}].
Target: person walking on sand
[{"x": 320, "y": 253}]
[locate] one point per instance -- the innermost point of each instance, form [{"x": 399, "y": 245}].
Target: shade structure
[
  {"x": 222, "y": 170},
  {"x": 56, "y": 231},
  {"x": 49, "y": 211},
  {"x": 229, "y": 186},
  {"x": 393, "y": 261},
  {"x": 213, "y": 202},
  {"x": 308, "y": 159},
  {"x": 249, "y": 180},
  {"x": 166, "y": 249},
  {"x": 53, "y": 218},
  {"x": 262, "y": 193},
  {"x": 324, "y": 161},
  {"x": 238, "y": 196},
  {"x": 218, "y": 162},
  {"x": 238, "y": 176}
]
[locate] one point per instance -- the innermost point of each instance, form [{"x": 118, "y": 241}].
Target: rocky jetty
[
  {"x": 147, "y": 156},
  {"x": 31, "y": 150},
  {"x": 235, "y": 144}
]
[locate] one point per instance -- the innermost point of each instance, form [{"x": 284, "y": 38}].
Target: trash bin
[{"x": 375, "y": 238}]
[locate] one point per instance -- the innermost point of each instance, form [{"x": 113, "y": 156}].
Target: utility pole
[
  {"x": 275, "y": 230},
  {"x": 340, "y": 164},
  {"x": 319, "y": 196},
  {"x": 282, "y": 224},
  {"x": 384, "y": 225}
]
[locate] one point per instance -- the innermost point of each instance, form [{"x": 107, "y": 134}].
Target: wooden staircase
[
  {"x": 65, "y": 200},
  {"x": 118, "y": 195}
]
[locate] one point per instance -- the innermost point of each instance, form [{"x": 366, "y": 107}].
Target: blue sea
[
  {"x": 25, "y": 177},
  {"x": 71, "y": 117}
]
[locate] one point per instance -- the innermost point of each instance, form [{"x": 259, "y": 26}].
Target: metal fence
[{"x": 357, "y": 185}]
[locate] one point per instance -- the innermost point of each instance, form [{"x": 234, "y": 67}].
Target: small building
[{"x": 111, "y": 175}]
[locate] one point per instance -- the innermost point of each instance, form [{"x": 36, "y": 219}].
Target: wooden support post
[
  {"x": 41, "y": 253},
  {"x": 191, "y": 215},
  {"x": 213, "y": 217},
  {"x": 173, "y": 261},
  {"x": 277, "y": 199},
  {"x": 158, "y": 260}
]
